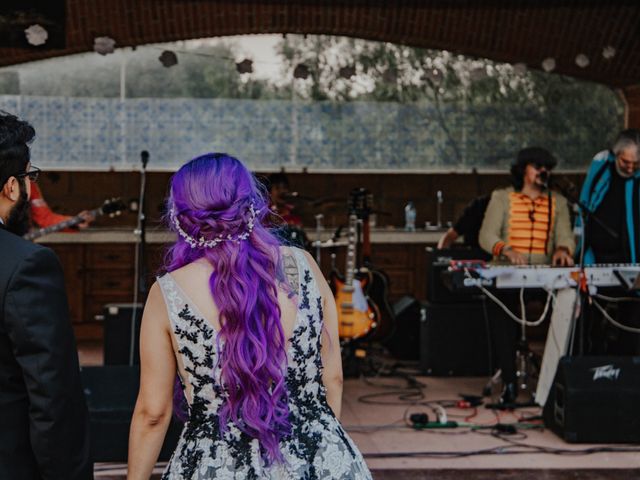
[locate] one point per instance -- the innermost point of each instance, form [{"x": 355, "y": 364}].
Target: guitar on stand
[
  {"x": 111, "y": 207},
  {"x": 357, "y": 317},
  {"x": 377, "y": 280}
]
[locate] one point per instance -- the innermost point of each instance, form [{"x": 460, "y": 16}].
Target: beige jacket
[{"x": 507, "y": 221}]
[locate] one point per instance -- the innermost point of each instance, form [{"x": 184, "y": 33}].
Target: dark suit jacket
[{"x": 43, "y": 416}]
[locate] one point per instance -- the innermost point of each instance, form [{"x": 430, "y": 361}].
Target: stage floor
[{"x": 374, "y": 411}]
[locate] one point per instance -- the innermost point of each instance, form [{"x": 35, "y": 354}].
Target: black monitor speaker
[
  {"x": 121, "y": 337},
  {"x": 111, "y": 393},
  {"x": 595, "y": 400}
]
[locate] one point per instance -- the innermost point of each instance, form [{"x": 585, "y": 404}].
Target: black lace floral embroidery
[{"x": 311, "y": 418}]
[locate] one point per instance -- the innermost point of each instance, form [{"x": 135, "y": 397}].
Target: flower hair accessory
[{"x": 202, "y": 242}]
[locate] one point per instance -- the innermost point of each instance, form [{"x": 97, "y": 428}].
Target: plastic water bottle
[{"x": 410, "y": 217}]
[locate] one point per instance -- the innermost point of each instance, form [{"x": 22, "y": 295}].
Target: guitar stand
[
  {"x": 356, "y": 358},
  {"x": 528, "y": 368},
  {"x": 493, "y": 381}
]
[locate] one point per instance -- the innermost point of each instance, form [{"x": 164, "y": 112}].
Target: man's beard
[
  {"x": 19, "y": 220},
  {"x": 622, "y": 173}
]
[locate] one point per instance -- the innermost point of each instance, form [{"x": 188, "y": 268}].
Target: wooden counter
[
  {"x": 163, "y": 236},
  {"x": 99, "y": 266}
]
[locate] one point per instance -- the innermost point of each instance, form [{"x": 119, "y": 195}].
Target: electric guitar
[
  {"x": 356, "y": 317},
  {"x": 111, "y": 207},
  {"x": 377, "y": 280}
]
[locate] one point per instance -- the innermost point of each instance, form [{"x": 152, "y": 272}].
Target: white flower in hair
[{"x": 202, "y": 242}]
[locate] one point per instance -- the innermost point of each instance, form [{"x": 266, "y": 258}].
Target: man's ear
[{"x": 11, "y": 189}]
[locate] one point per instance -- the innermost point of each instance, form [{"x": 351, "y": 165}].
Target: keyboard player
[{"x": 525, "y": 224}]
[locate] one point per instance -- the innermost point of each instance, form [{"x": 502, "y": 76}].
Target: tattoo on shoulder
[{"x": 291, "y": 272}]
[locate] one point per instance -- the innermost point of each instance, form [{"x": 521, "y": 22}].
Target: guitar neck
[
  {"x": 72, "y": 222},
  {"x": 351, "y": 252}
]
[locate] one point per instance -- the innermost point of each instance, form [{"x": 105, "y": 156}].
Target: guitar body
[{"x": 357, "y": 317}]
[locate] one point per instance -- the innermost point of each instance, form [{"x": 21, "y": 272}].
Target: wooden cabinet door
[{"x": 72, "y": 259}]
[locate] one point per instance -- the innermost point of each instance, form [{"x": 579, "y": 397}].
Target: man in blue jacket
[{"x": 611, "y": 194}]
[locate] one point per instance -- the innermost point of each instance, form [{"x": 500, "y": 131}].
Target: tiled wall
[{"x": 106, "y": 133}]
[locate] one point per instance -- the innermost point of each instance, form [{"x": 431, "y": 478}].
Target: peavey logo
[{"x": 606, "y": 371}]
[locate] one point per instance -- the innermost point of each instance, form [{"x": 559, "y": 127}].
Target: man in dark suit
[{"x": 43, "y": 416}]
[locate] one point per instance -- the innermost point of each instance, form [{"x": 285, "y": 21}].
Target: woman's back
[{"x": 317, "y": 446}]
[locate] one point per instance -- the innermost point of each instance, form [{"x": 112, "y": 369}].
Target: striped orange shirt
[{"x": 529, "y": 223}]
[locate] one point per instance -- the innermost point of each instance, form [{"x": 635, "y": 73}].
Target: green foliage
[{"x": 202, "y": 72}]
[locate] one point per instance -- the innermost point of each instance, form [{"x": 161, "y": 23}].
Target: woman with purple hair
[{"x": 250, "y": 329}]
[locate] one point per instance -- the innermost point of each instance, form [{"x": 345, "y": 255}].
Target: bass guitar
[
  {"x": 111, "y": 207},
  {"x": 357, "y": 317}
]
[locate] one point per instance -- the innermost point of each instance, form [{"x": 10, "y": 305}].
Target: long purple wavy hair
[{"x": 211, "y": 195}]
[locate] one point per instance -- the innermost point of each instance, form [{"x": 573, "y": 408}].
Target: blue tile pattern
[{"x": 104, "y": 133}]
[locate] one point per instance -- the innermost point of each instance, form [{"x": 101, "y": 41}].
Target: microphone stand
[
  {"x": 140, "y": 277},
  {"x": 586, "y": 215}
]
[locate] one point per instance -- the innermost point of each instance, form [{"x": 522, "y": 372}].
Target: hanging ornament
[
  {"x": 390, "y": 75},
  {"x": 347, "y": 72},
  {"x": 549, "y": 64},
  {"x": 520, "y": 68},
  {"x": 301, "y": 71},
  {"x": 168, "y": 58},
  {"x": 104, "y": 45},
  {"x": 245, "y": 66},
  {"x": 36, "y": 35},
  {"x": 478, "y": 73},
  {"x": 608, "y": 52},
  {"x": 435, "y": 75},
  {"x": 582, "y": 60}
]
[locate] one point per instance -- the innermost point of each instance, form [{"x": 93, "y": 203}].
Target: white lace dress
[{"x": 318, "y": 447}]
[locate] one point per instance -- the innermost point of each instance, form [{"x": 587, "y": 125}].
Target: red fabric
[{"x": 41, "y": 215}]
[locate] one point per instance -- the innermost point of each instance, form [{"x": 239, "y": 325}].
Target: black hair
[
  {"x": 529, "y": 156},
  {"x": 278, "y": 178},
  {"x": 15, "y": 136}
]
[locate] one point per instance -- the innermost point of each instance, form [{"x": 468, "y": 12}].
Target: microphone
[
  {"x": 544, "y": 178},
  {"x": 144, "y": 157}
]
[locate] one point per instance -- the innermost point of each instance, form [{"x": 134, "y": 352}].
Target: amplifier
[
  {"x": 119, "y": 346},
  {"x": 454, "y": 339},
  {"x": 595, "y": 400},
  {"x": 438, "y": 261},
  {"x": 404, "y": 343}
]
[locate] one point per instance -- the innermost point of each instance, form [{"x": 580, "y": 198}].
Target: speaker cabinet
[
  {"x": 595, "y": 400},
  {"x": 454, "y": 339},
  {"x": 121, "y": 341},
  {"x": 404, "y": 343},
  {"x": 111, "y": 393}
]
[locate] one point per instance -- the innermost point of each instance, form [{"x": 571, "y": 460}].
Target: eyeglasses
[
  {"x": 32, "y": 174},
  {"x": 540, "y": 166}
]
